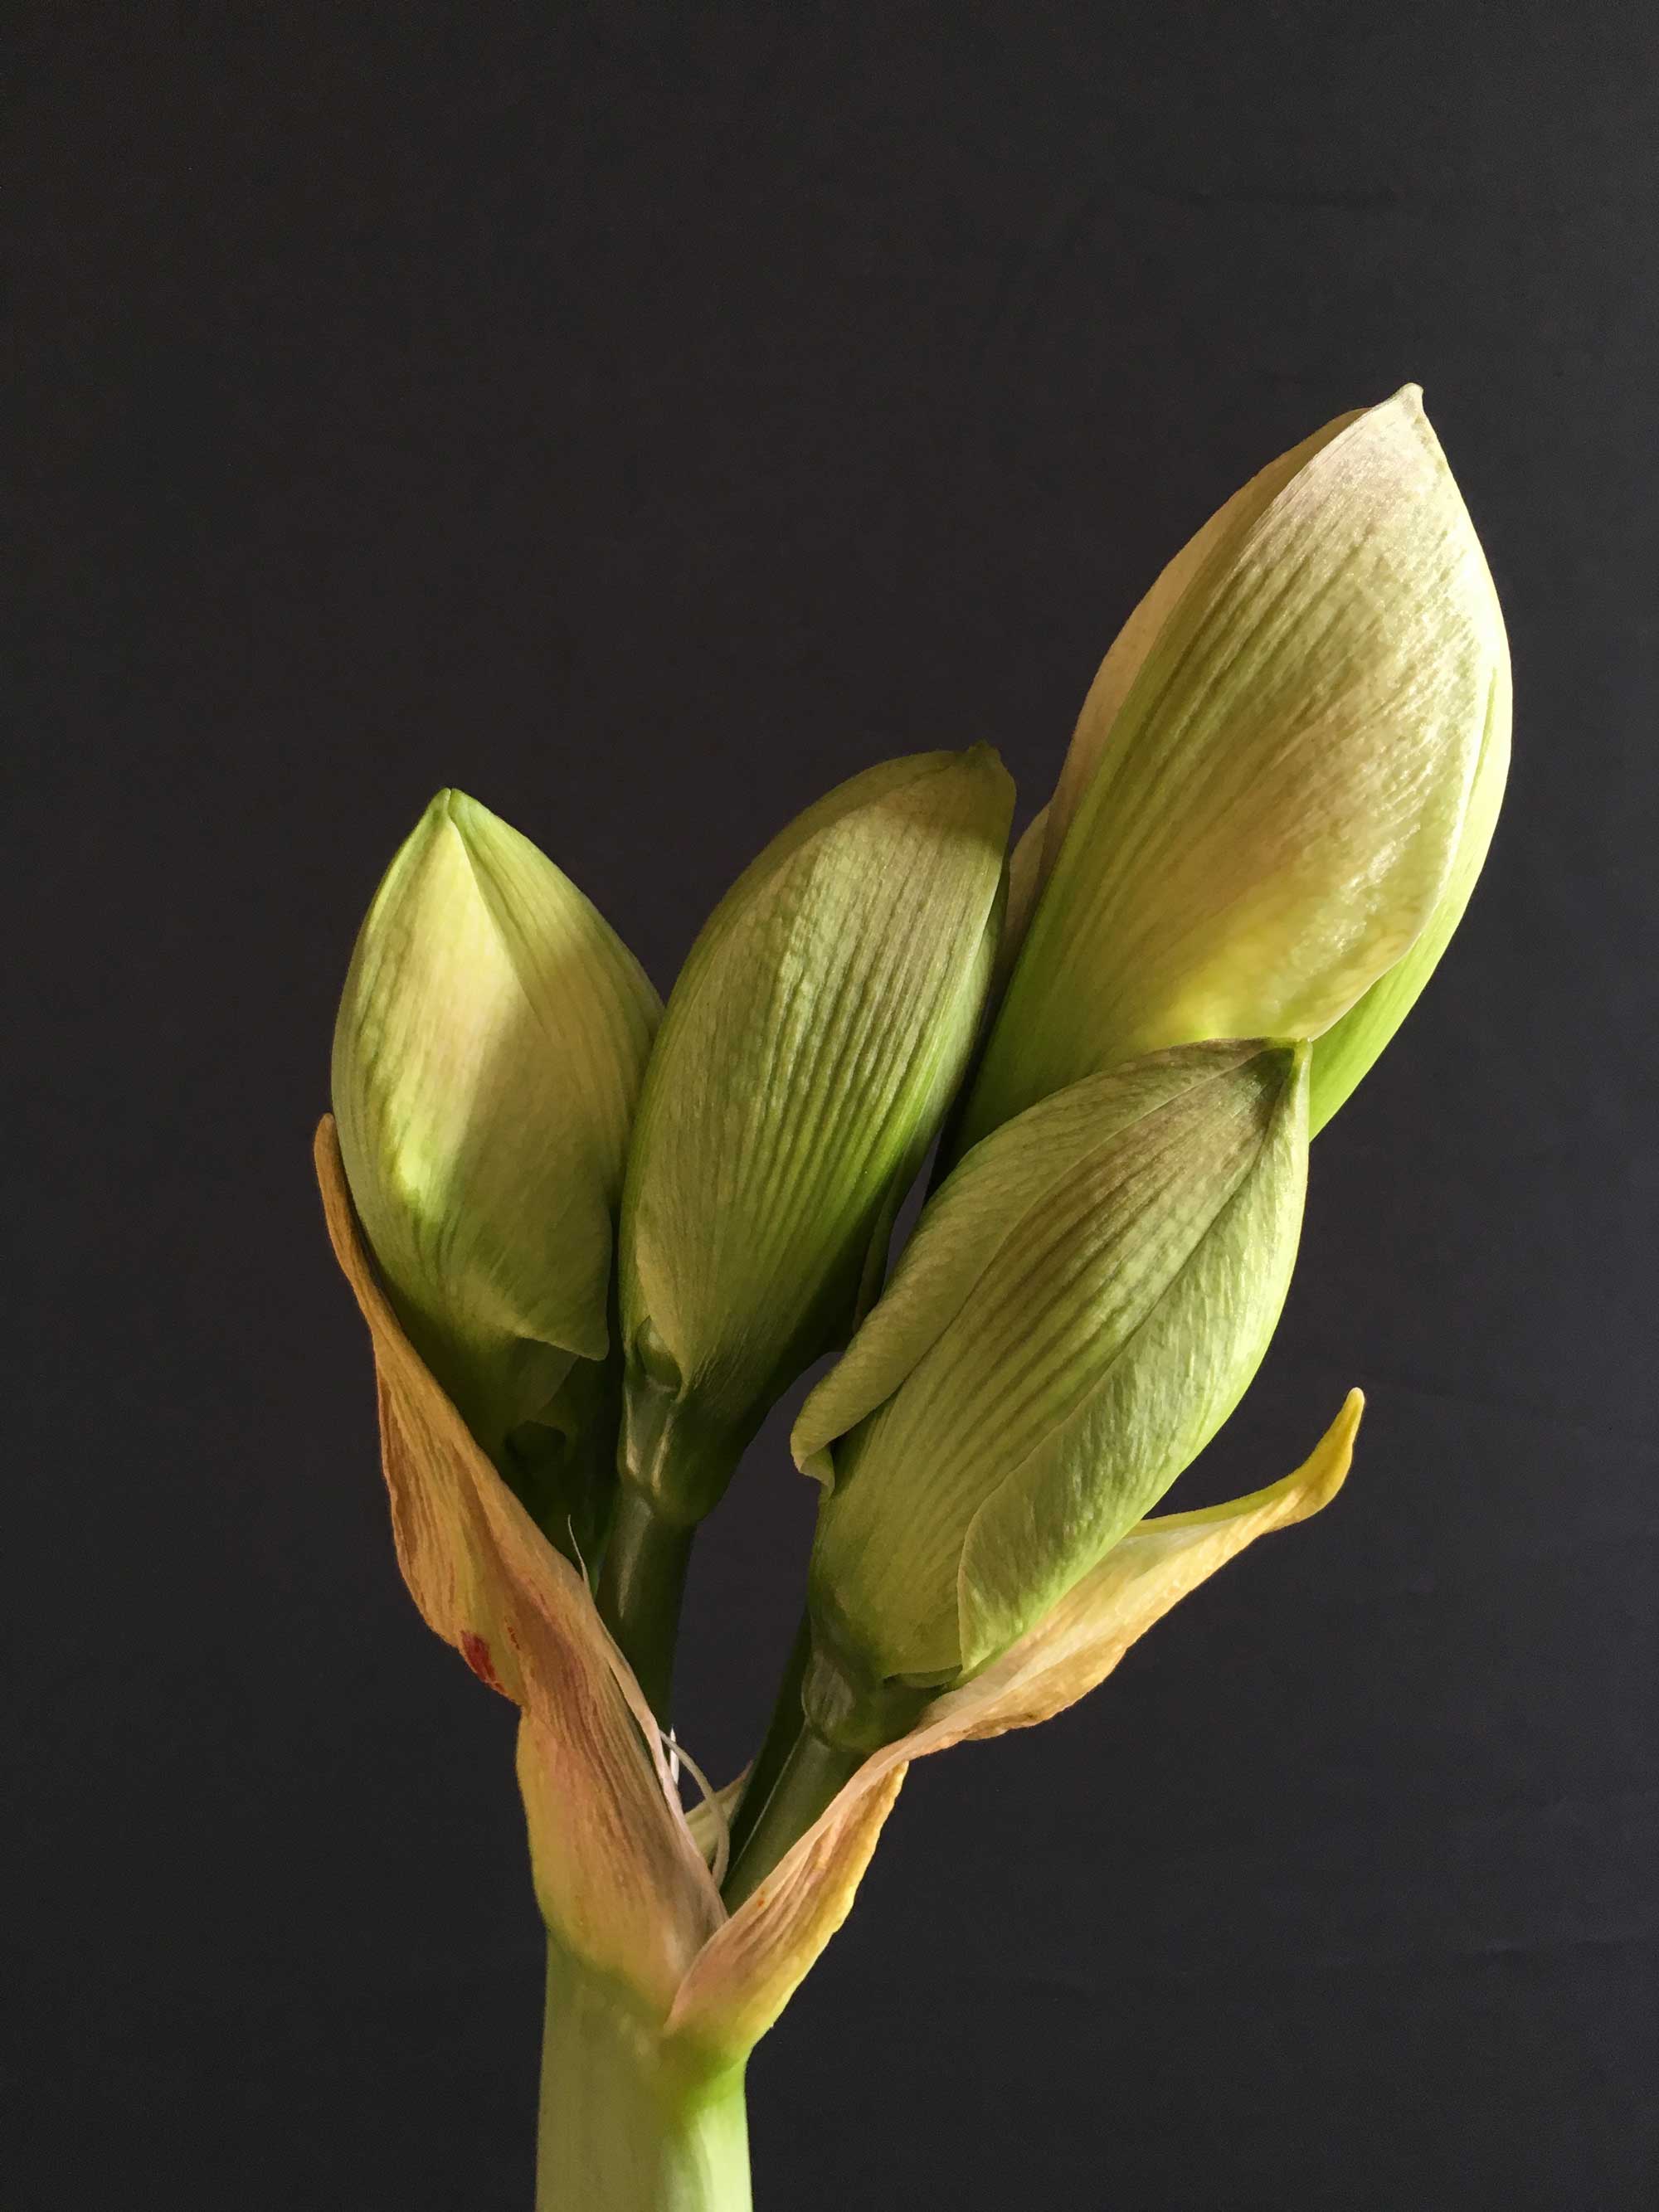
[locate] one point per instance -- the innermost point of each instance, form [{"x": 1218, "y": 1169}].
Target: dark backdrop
[{"x": 644, "y": 418}]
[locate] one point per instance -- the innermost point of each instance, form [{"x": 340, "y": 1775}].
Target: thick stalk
[
  {"x": 786, "y": 1725},
  {"x": 813, "y": 1775},
  {"x": 628, "y": 2123},
  {"x": 641, "y": 1588}
]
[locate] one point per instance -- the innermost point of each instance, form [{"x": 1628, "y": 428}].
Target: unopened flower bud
[
  {"x": 807, "y": 1055},
  {"x": 1283, "y": 780},
  {"x": 487, "y": 1056},
  {"x": 1081, "y": 1307}
]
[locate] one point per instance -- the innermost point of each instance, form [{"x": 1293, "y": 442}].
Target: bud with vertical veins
[{"x": 487, "y": 1056}]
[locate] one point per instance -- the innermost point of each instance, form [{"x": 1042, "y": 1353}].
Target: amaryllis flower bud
[
  {"x": 1283, "y": 781},
  {"x": 809, "y": 1050},
  {"x": 487, "y": 1056},
  {"x": 1081, "y": 1307}
]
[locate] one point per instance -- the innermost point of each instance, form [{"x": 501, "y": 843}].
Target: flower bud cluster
[{"x": 617, "y": 1241}]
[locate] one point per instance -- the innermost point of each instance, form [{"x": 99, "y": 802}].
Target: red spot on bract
[{"x": 476, "y": 1652}]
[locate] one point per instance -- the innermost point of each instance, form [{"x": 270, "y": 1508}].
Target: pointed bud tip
[
  {"x": 1331, "y": 1459},
  {"x": 986, "y": 775},
  {"x": 448, "y": 809},
  {"x": 456, "y": 808},
  {"x": 979, "y": 762},
  {"x": 988, "y": 762}
]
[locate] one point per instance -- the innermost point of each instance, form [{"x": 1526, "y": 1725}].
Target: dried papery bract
[
  {"x": 1284, "y": 778},
  {"x": 632, "y": 2113},
  {"x": 619, "y": 1875},
  {"x": 655, "y": 1997},
  {"x": 746, "y": 1973}
]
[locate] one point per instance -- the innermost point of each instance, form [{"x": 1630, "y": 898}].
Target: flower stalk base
[{"x": 628, "y": 2123}]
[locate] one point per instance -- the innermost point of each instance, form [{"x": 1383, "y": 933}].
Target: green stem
[
  {"x": 813, "y": 1774},
  {"x": 785, "y": 1725},
  {"x": 627, "y": 2122},
  {"x": 642, "y": 1587}
]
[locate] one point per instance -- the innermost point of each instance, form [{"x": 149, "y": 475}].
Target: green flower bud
[
  {"x": 487, "y": 1056},
  {"x": 1272, "y": 795},
  {"x": 1081, "y": 1307},
  {"x": 807, "y": 1055}
]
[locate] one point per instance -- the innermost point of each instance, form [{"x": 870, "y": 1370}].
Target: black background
[{"x": 644, "y": 418}]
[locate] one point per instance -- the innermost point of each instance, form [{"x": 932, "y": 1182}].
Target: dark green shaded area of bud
[
  {"x": 563, "y": 1465},
  {"x": 670, "y": 1450},
  {"x": 847, "y": 1705}
]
